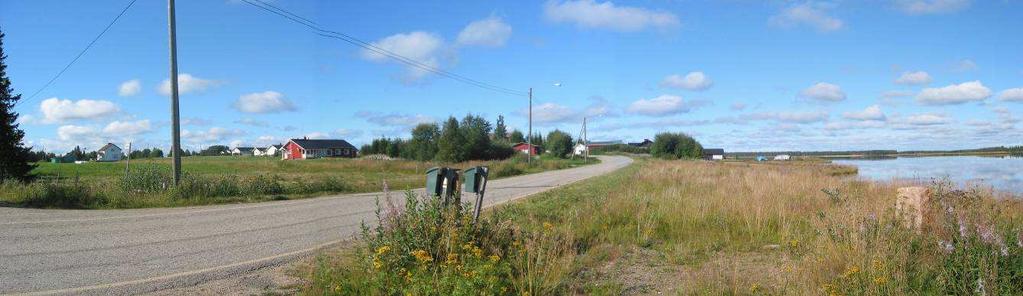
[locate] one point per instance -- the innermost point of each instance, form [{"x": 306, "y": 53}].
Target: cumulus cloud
[
  {"x": 196, "y": 121},
  {"x": 964, "y": 65},
  {"x": 347, "y": 133},
  {"x": 128, "y": 128},
  {"x": 927, "y": 119},
  {"x": 914, "y": 78},
  {"x": 419, "y": 46},
  {"x": 1012, "y": 95},
  {"x": 553, "y": 113},
  {"x": 607, "y": 15},
  {"x": 394, "y": 119},
  {"x": 972, "y": 91},
  {"x": 129, "y": 88},
  {"x": 918, "y": 7},
  {"x": 692, "y": 81},
  {"x": 870, "y": 113},
  {"x": 56, "y": 110},
  {"x": 663, "y": 105},
  {"x": 848, "y": 125},
  {"x": 791, "y": 117},
  {"x": 810, "y": 14},
  {"x": 264, "y": 102},
  {"x": 214, "y": 134},
  {"x": 823, "y": 91},
  {"x": 491, "y": 31},
  {"x": 187, "y": 84},
  {"x": 317, "y": 135},
  {"x": 75, "y": 133}
]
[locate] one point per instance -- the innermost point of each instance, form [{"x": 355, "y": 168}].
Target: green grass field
[{"x": 229, "y": 179}]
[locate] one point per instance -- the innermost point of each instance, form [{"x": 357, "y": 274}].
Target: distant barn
[
  {"x": 714, "y": 153},
  {"x": 109, "y": 152}
]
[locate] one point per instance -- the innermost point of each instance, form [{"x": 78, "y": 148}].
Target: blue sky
[{"x": 741, "y": 75}]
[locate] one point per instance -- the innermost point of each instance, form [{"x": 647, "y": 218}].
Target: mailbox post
[
  {"x": 442, "y": 182},
  {"x": 476, "y": 182}
]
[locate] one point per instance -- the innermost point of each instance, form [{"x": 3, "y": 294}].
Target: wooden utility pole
[
  {"x": 175, "y": 118},
  {"x": 529, "y": 137}
]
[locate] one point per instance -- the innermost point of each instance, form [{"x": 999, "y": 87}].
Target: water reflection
[{"x": 1004, "y": 173}]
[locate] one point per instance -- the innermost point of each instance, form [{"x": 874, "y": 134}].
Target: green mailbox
[
  {"x": 474, "y": 178},
  {"x": 435, "y": 180}
]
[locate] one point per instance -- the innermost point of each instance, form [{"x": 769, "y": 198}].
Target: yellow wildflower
[
  {"x": 382, "y": 250},
  {"x": 548, "y": 226},
  {"x": 495, "y": 258},
  {"x": 377, "y": 263},
  {"x": 881, "y": 280},
  {"x": 852, "y": 270},
  {"x": 452, "y": 259},
  {"x": 876, "y": 264},
  {"x": 754, "y": 288},
  {"x": 793, "y": 243},
  {"x": 477, "y": 252},
  {"x": 422, "y": 256}
]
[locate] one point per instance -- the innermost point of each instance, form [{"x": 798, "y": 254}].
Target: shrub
[
  {"x": 559, "y": 143},
  {"x": 676, "y": 146},
  {"x": 145, "y": 179},
  {"x": 66, "y": 194}
]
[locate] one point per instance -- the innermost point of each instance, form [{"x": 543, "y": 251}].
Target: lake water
[{"x": 1003, "y": 173}]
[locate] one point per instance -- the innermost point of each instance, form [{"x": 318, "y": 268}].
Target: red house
[
  {"x": 315, "y": 148},
  {"x": 524, "y": 147}
]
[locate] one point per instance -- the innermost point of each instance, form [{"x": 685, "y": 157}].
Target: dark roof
[
  {"x": 646, "y": 142},
  {"x": 278, "y": 146},
  {"x": 713, "y": 151},
  {"x": 322, "y": 143},
  {"x": 108, "y": 146},
  {"x": 244, "y": 149}
]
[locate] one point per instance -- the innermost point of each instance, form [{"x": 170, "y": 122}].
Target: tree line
[{"x": 471, "y": 138}]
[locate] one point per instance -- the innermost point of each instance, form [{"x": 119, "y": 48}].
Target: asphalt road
[{"x": 105, "y": 252}]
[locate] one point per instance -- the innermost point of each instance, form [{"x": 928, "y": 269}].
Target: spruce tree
[
  {"x": 14, "y": 156},
  {"x": 500, "y": 130}
]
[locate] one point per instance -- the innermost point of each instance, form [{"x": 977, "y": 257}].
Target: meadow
[
  {"x": 693, "y": 227},
  {"x": 231, "y": 179}
]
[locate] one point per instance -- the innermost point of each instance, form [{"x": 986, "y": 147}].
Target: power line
[
  {"x": 80, "y": 54},
  {"x": 375, "y": 49}
]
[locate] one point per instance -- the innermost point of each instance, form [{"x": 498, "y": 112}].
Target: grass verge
[
  {"x": 695, "y": 227},
  {"x": 217, "y": 180}
]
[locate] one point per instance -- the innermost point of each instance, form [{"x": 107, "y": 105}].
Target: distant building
[
  {"x": 306, "y": 148},
  {"x": 581, "y": 149},
  {"x": 109, "y": 152},
  {"x": 272, "y": 150},
  {"x": 645, "y": 144},
  {"x": 713, "y": 153},
  {"x": 761, "y": 158},
  {"x": 524, "y": 148},
  {"x": 247, "y": 151},
  {"x": 782, "y": 157}
]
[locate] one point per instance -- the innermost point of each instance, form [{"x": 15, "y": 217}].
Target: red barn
[
  {"x": 315, "y": 148},
  {"x": 524, "y": 147}
]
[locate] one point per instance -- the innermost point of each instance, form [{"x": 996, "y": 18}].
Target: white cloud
[
  {"x": 553, "y": 113},
  {"x": 914, "y": 78},
  {"x": 692, "y": 81},
  {"x": 847, "y": 125},
  {"x": 395, "y": 119},
  {"x": 918, "y": 7},
  {"x": 823, "y": 91},
  {"x": 965, "y": 65},
  {"x": 75, "y": 133},
  {"x": 796, "y": 117},
  {"x": 928, "y": 119},
  {"x": 212, "y": 135},
  {"x": 419, "y": 46},
  {"x": 187, "y": 84},
  {"x": 252, "y": 122},
  {"x": 347, "y": 133},
  {"x": 196, "y": 121},
  {"x": 738, "y": 106},
  {"x": 810, "y": 14},
  {"x": 1012, "y": 95},
  {"x": 607, "y": 15},
  {"x": 128, "y": 128},
  {"x": 264, "y": 102},
  {"x": 129, "y": 88},
  {"x": 317, "y": 135},
  {"x": 663, "y": 105},
  {"x": 491, "y": 31},
  {"x": 57, "y": 110},
  {"x": 236, "y": 143},
  {"x": 870, "y": 113},
  {"x": 954, "y": 94}
]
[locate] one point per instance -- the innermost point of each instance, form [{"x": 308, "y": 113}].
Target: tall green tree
[
  {"x": 424, "y": 141},
  {"x": 500, "y": 130},
  {"x": 476, "y": 132},
  {"x": 451, "y": 146},
  {"x": 14, "y": 156},
  {"x": 559, "y": 143},
  {"x": 516, "y": 137},
  {"x": 676, "y": 146}
]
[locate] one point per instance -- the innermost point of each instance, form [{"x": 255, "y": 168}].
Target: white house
[
  {"x": 259, "y": 151},
  {"x": 714, "y": 153},
  {"x": 272, "y": 150},
  {"x": 782, "y": 157},
  {"x": 247, "y": 151},
  {"x": 109, "y": 152},
  {"x": 580, "y": 149}
]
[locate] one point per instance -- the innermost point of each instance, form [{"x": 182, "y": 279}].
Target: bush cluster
[{"x": 676, "y": 146}]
